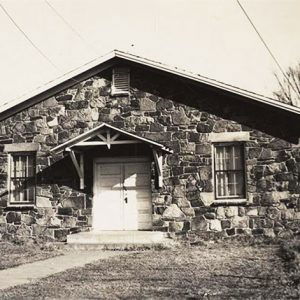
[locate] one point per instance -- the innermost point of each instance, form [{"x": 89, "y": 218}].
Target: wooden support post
[
  {"x": 160, "y": 163},
  {"x": 9, "y": 161},
  {"x": 82, "y": 171},
  {"x": 158, "y": 158},
  {"x": 78, "y": 169}
]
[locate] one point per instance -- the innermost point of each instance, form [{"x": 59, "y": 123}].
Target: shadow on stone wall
[
  {"x": 225, "y": 105},
  {"x": 62, "y": 172}
]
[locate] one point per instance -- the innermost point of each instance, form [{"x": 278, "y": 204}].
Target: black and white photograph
[{"x": 150, "y": 149}]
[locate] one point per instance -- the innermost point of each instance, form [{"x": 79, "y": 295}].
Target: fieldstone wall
[{"x": 181, "y": 116}]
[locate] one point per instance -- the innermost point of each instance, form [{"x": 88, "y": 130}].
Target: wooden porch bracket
[
  {"x": 158, "y": 158},
  {"x": 115, "y": 137},
  {"x": 108, "y": 138},
  {"x": 78, "y": 166},
  {"x": 99, "y": 135},
  {"x": 108, "y": 135}
]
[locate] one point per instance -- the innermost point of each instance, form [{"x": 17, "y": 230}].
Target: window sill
[
  {"x": 116, "y": 94},
  {"x": 230, "y": 201},
  {"x": 20, "y": 205}
]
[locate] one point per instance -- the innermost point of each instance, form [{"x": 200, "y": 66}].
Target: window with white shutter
[{"x": 120, "y": 81}]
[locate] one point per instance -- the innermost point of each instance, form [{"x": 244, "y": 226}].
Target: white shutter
[{"x": 120, "y": 81}]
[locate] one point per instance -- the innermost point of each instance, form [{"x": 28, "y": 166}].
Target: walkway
[{"x": 28, "y": 273}]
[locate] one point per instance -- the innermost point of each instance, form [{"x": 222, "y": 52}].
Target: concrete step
[{"x": 119, "y": 240}]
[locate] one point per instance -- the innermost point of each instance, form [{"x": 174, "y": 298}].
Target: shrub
[{"x": 289, "y": 251}]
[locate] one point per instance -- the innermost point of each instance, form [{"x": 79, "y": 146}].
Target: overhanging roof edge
[
  {"x": 5, "y": 108},
  {"x": 209, "y": 82}
]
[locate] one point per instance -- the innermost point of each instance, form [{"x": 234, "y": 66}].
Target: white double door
[{"x": 122, "y": 195}]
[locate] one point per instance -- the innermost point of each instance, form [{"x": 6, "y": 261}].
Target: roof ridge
[
  {"x": 63, "y": 79},
  {"x": 197, "y": 74}
]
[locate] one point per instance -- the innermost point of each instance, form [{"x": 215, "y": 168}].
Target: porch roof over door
[{"x": 107, "y": 135}]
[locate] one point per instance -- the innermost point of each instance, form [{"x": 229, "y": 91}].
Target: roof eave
[
  {"x": 95, "y": 66},
  {"x": 210, "y": 82}
]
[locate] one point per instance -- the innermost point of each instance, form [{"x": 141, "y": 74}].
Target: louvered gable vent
[{"x": 120, "y": 81}]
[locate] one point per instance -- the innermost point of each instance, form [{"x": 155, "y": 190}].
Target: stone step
[
  {"x": 119, "y": 240},
  {"x": 169, "y": 244}
]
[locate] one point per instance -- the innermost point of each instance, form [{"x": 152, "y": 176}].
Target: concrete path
[{"x": 28, "y": 273}]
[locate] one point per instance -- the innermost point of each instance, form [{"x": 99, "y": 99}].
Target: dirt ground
[{"x": 213, "y": 271}]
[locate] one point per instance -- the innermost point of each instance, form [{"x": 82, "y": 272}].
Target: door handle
[{"x": 125, "y": 192}]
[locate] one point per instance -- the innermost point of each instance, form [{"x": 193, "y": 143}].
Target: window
[
  {"x": 21, "y": 178},
  {"x": 229, "y": 171},
  {"x": 120, "y": 81}
]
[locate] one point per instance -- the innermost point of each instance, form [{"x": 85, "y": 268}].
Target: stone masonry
[{"x": 178, "y": 115}]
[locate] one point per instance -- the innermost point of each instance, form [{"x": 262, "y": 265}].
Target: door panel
[
  {"x": 137, "y": 182},
  {"x": 110, "y": 182},
  {"x": 107, "y": 207},
  {"x": 122, "y": 196},
  {"x": 110, "y": 169}
]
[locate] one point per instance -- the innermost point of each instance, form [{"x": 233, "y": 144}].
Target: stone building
[{"x": 126, "y": 143}]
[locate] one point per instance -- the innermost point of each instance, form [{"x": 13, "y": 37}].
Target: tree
[{"x": 289, "y": 86}]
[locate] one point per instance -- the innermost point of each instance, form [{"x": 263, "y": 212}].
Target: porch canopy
[{"x": 106, "y": 135}]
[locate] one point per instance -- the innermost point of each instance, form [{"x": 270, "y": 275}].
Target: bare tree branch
[{"x": 289, "y": 88}]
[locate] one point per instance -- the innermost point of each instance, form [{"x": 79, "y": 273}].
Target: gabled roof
[
  {"x": 80, "y": 139},
  {"x": 99, "y": 64}
]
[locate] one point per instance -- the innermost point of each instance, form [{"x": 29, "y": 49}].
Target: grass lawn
[
  {"x": 215, "y": 271},
  {"x": 13, "y": 255}
]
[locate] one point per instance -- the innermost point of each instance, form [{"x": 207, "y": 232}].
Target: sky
[{"x": 208, "y": 37}]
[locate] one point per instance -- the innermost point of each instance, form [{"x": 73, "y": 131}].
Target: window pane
[
  {"x": 220, "y": 158},
  {"x": 12, "y": 167},
  {"x": 22, "y": 190},
  {"x": 229, "y": 158},
  {"x": 235, "y": 184},
  {"x": 17, "y": 190},
  {"x": 31, "y": 193},
  {"x": 237, "y": 158},
  {"x": 30, "y": 166},
  {"x": 22, "y": 181},
  {"x": 222, "y": 184},
  {"x": 240, "y": 184},
  {"x": 229, "y": 174},
  {"x": 18, "y": 166},
  {"x": 22, "y": 166},
  {"x": 13, "y": 195},
  {"x": 229, "y": 183},
  {"x": 224, "y": 158}
]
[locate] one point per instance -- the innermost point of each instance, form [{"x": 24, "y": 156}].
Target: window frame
[
  {"x": 228, "y": 198},
  {"x": 32, "y": 154}
]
